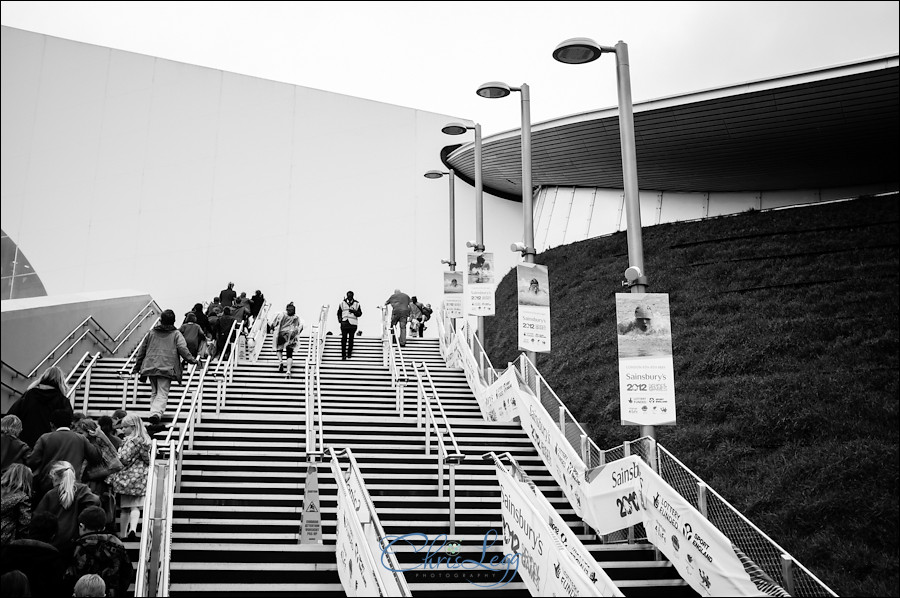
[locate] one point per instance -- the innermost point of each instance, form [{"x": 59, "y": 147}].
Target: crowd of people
[{"x": 65, "y": 476}]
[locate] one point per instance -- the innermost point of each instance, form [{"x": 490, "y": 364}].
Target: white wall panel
[
  {"x": 579, "y": 215},
  {"x": 721, "y": 204},
  {"x": 609, "y": 215},
  {"x": 559, "y": 217},
  {"x": 682, "y": 206}
]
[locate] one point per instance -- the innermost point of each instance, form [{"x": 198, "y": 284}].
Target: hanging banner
[
  {"x": 356, "y": 567},
  {"x": 553, "y": 562},
  {"x": 564, "y": 464},
  {"x": 534, "y": 307},
  {"x": 702, "y": 554},
  {"x": 311, "y": 519},
  {"x": 646, "y": 373},
  {"x": 480, "y": 284},
  {"x": 453, "y": 294},
  {"x": 611, "y": 495},
  {"x": 500, "y": 402}
]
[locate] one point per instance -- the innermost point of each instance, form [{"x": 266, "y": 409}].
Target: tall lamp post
[
  {"x": 497, "y": 89},
  {"x": 580, "y": 50},
  {"x": 457, "y": 128},
  {"x": 436, "y": 174}
]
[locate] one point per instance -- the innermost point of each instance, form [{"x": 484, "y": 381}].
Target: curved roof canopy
[{"x": 833, "y": 127}]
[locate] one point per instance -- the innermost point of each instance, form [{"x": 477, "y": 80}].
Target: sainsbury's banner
[
  {"x": 552, "y": 561},
  {"x": 701, "y": 553},
  {"x": 480, "y": 284},
  {"x": 533, "y": 283},
  {"x": 611, "y": 495},
  {"x": 500, "y": 401},
  {"x": 453, "y": 294},
  {"x": 356, "y": 567},
  {"x": 564, "y": 463}
]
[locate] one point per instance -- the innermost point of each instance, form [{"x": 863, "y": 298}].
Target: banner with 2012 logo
[
  {"x": 533, "y": 283},
  {"x": 453, "y": 294},
  {"x": 480, "y": 284},
  {"x": 552, "y": 560}
]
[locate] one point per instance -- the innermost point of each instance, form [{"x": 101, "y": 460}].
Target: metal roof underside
[{"x": 833, "y": 132}]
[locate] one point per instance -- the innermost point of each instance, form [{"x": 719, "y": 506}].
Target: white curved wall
[
  {"x": 127, "y": 171},
  {"x": 564, "y": 215}
]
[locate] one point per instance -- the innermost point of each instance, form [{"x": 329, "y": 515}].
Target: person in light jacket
[
  {"x": 159, "y": 359},
  {"x": 348, "y": 313}
]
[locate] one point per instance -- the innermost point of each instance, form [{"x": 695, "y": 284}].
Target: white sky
[{"x": 433, "y": 55}]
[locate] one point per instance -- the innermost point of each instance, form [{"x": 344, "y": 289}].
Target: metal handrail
[
  {"x": 397, "y": 366},
  {"x": 386, "y": 311},
  {"x": 76, "y": 366},
  {"x": 445, "y": 457},
  {"x": 165, "y": 553},
  {"x": 259, "y": 330},
  {"x": 85, "y": 377},
  {"x": 85, "y": 322},
  {"x": 224, "y": 374},
  {"x": 146, "y": 541},
  {"x": 202, "y": 367},
  {"x": 315, "y": 434},
  {"x": 392, "y": 565}
]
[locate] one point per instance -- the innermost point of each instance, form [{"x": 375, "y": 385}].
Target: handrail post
[
  {"x": 452, "y": 498},
  {"x": 626, "y": 452},
  {"x": 702, "y": 499},
  {"x": 787, "y": 571}
]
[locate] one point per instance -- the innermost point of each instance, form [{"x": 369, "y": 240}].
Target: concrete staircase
[{"x": 237, "y": 515}]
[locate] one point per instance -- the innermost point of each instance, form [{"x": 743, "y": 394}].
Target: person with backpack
[
  {"x": 348, "y": 313},
  {"x": 100, "y": 553}
]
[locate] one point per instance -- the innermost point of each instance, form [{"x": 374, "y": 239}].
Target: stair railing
[
  {"x": 193, "y": 416},
  {"x": 156, "y": 529},
  {"x": 228, "y": 357},
  {"x": 397, "y": 366},
  {"x": 117, "y": 341},
  {"x": 315, "y": 433},
  {"x": 130, "y": 377},
  {"x": 259, "y": 331},
  {"x": 83, "y": 379},
  {"x": 386, "y": 311},
  {"x": 367, "y": 539},
  {"x": 425, "y": 413},
  {"x": 445, "y": 331}
]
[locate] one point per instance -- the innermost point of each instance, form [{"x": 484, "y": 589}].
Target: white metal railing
[
  {"x": 156, "y": 523},
  {"x": 192, "y": 417},
  {"x": 145, "y": 312},
  {"x": 83, "y": 379},
  {"x": 128, "y": 375},
  {"x": 396, "y": 363},
  {"x": 367, "y": 532},
  {"x": 228, "y": 358},
  {"x": 315, "y": 433},
  {"x": 447, "y": 458},
  {"x": 386, "y": 333},
  {"x": 258, "y": 332}
]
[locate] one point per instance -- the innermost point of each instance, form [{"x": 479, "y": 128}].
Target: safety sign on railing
[{"x": 311, "y": 520}]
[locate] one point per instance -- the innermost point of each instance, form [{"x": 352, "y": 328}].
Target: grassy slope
[{"x": 785, "y": 339}]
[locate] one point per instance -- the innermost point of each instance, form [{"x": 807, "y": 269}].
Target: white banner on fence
[
  {"x": 356, "y": 565},
  {"x": 533, "y": 284},
  {"x": 501, "y": 398},
  {"x": 552, "y": 561},
  {"x": 701, "y": 553},
  {"x": 611, "y": 495},
  {"x": 564, "y": 463},
  {"x": 646, "y": 373},
  {"x": 453, "y": 294},
  {"x": 480, "y": 284}
]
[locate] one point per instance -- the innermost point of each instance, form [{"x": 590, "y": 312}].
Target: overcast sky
[{"x": 433, "y": 55}]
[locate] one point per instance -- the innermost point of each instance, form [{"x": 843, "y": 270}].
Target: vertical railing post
[
  {"x": 701, "y": 499},
  {"x": 626, "y": 451},
  {"x": 87, "y": 388},
  {"x": 452, "y": 498},
  {"x": 787, "y": 571}
]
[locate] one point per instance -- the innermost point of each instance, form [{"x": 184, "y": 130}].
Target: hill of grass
[{"x": 785, "y": 340}]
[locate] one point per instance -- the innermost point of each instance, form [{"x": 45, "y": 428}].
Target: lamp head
[
  {"x": 434, "y": 174},
  {"x": 455, "y": 129},
  {"x": 577, "y": 50},
  {"x": 494, "y": 89}
]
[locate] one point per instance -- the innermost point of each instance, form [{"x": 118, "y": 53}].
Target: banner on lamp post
[
  {"x": 646, "y": 373},
  {"x": 480, "y": 284},
  {"x": 533, "y": 282},
  {"x": 453, "y": 294}
]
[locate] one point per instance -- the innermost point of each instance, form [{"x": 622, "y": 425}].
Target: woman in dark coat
[
  {"x": 202, "y": 320},
  {"x": 40, "y": 400}
]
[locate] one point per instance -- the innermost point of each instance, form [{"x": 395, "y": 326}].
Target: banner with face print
[
  {"x": 533, "y": 283},
  {"x": 646, "y": 372},
  {"x": 453, "y": 294},
  {"x": 480, "y": 284}
]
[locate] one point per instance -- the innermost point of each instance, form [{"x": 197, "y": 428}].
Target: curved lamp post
[
  {"x": 498, "y": 89},
  {"x": 580, "y": 50},
  {"x": 436, "y": 174}
]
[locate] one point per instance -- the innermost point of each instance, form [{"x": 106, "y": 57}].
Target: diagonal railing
[
  {"x": 315, "y": 432},
  {"x": 84, "y": 379},
  {"x": 448, "y": 457},
  {"x": 393, "y": 359},
  {"x": 228, "y": 358},
  {"x": 256, "y": 337},
  {"x": 361, "y": 535}
]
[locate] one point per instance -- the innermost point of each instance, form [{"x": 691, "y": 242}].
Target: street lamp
[
  {"x": 436, "y": 174},
  {"x": 497, "y": 89},
  {"x": 580, "y": 50},
  {"x": 457, "y": 128}
]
